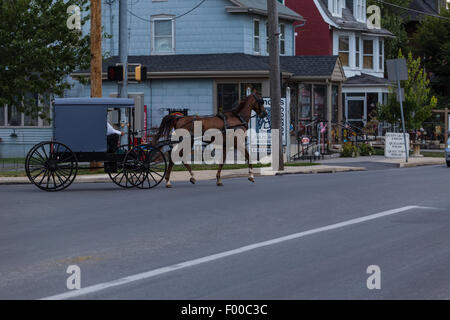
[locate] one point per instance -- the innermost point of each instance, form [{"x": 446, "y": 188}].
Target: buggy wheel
[
  {"x": 51, "y": 166},
  {"x": 145, "y": 166},
  {"x": 118, "y": 175}
]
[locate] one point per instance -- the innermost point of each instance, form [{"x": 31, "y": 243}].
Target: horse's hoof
[
  {"x": 251, "y": 179},
  {"x": 168, "y": 186},
  {"x": 219, "y": 184},
  {"x": 192, "y": 180}
]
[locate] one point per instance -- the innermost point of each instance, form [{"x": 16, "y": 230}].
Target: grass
[{"x": 12, "y": 160}]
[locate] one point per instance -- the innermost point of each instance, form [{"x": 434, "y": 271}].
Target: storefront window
[
  {"x": 227, "y": 96},
  {"x": 305, "y": 102},
  {"x": 320, "y": 102},
  {"x": 247, "y": 88}
]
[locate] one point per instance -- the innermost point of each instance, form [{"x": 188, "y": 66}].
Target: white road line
[{"x": 191, "y": 263}]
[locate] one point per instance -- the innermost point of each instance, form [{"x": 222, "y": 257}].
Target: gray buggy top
[{"x": 80, "y": 123}]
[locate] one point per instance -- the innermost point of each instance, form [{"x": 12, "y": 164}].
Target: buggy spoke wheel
[
  {"x": 145, "y": 166},
  {"x": 118, "y": 175},
  {"x": 51, "y": 166}
]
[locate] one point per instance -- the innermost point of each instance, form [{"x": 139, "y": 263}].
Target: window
[
  {"x": 256, "y": 45},
  {"x": 359, "y": 10},
  {"x": 344, "y": 50},
  {"x": 14, "y": 117},
  {"x": 163, "y": 39},
  {"x": 357, "y": 52},
  {"x": 282, "y": 39},
  {"x": 335, "y": 7},
  {"x": 2, "y": 116},
  {"x": 229, "y": 94},
  {"x": 381, "y": 55},
  {"x": 368, "y": 54}
]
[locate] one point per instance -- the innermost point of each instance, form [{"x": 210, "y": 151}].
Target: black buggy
[{"x": 80, "y": 136}]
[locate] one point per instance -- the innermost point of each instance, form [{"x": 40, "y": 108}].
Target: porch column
[
  {"x": 329, "y": 110},
  {"x": 446, "y": 125},
  {"x": 340, "y": 112}
]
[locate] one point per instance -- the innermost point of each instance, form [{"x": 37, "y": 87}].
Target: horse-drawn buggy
[{"x": 80, "y": 136}]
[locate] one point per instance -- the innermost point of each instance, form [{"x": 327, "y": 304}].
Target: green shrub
[
  {"x": 349, "y": 150},
  {"x": 366, "y": 149}
]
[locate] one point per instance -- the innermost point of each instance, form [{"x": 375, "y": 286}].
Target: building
[
  {"x": 340, "y": 27},
  {"x": 204, "y": 60}
]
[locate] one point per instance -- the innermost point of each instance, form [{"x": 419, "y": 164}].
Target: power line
[
  {"x": 177, "y": 17},
  {"x": 413, "y": 10}
]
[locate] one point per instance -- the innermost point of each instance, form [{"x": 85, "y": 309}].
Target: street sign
[
  {"x": 397, "y": 70},
  {"x": 394, "y": 146}
]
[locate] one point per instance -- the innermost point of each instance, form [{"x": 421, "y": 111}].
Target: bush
[
  {"x": 366, "y": 149},
  {"x": 349, "y": 150}
]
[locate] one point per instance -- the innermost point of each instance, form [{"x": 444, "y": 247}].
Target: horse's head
[{"x": 257, "y": 104}]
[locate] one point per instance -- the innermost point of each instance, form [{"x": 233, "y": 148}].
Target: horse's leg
[
  {"x": 219, "y": 172},
  {"x": 192, "y": 180},
  {"x": 250, "y": 166},
  {"x": 169, "y": 170}
]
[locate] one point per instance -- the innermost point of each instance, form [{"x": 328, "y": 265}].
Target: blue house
[{"x": 203, "y": 58}]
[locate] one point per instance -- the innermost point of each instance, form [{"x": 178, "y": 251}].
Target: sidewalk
[
  {"x": 206, "y": 174},
  {"x": 412, "y": 162}
]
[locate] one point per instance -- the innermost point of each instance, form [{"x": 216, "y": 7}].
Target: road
[{"x": 284, "y": 237}]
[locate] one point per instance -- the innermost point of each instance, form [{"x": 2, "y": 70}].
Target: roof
[
  {"x": 367, "y": 80},
  {"x": 106, "y": 102},
  {"x": 213, "y": 65},
  {"x": 260, "y": 7},
  {"x": 348, "y": 21}
]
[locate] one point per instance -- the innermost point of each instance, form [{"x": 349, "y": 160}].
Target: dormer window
[
  {"x": 359, "y": 10},
  {"x": 335, "y": 7}
]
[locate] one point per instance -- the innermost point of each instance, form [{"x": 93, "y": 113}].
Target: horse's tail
[{"x": 167, "y": 124}]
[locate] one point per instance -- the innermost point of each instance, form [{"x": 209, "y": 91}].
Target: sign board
[
  {"x": 263, "y": 126},
  {"x": 395, "y": 145},
  {"x": 397, "y": 69}
]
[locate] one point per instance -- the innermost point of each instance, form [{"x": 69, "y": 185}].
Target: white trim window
[
  {"x": 381, "y": 55},
  {"x": 163, "y": 39},
  {"x": 282, "y": 39},
  {"x": 256, "y": 37},
  {"x": 335, "y": 7},
  {"x": 359, "y": 9},
  {"x": 11, "y": 117},
  {"x": 368, "y": 54},
  {"x": 357, "y": 52},
  {"x": 344, "y": 50}
]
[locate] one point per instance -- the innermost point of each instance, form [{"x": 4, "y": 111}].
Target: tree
[
  {"x": 393, "y": 19},
  {"x": 432, "y": 43},
  {"x": 38, "y": 51},
  {"x": 418, "y": 102}
]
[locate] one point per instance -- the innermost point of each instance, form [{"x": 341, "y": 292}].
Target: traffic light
[
  {"x": 115, "y": 73},
  {"x": 140, "y": 73}
]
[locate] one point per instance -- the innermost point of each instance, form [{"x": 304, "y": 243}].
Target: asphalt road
[{"x": 181, "y": 243}]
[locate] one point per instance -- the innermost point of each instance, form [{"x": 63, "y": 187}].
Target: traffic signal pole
[
  {"x": 123, "y": 54},
  {"x": 275, "y": 83}
]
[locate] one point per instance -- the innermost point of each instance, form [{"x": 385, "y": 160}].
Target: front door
[{"x": 356, "y": 111}]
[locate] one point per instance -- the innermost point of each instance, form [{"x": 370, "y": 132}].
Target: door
[{"x": 356, "y": 111}]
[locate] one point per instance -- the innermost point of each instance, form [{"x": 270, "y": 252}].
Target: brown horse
[{"x": 236, "y": 119}]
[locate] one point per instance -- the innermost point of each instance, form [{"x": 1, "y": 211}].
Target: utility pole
[
  {"x": 96, "y": 49},
  {"x": 96, "y": 56},
  {"x": 123, "y": 45},
  {"x": 275, "y": 83}
]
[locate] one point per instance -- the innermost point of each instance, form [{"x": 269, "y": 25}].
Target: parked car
[{"x": 447, "y": 153}]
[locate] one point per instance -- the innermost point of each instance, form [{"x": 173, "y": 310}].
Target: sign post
[{"x": 397, "y": 71}]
